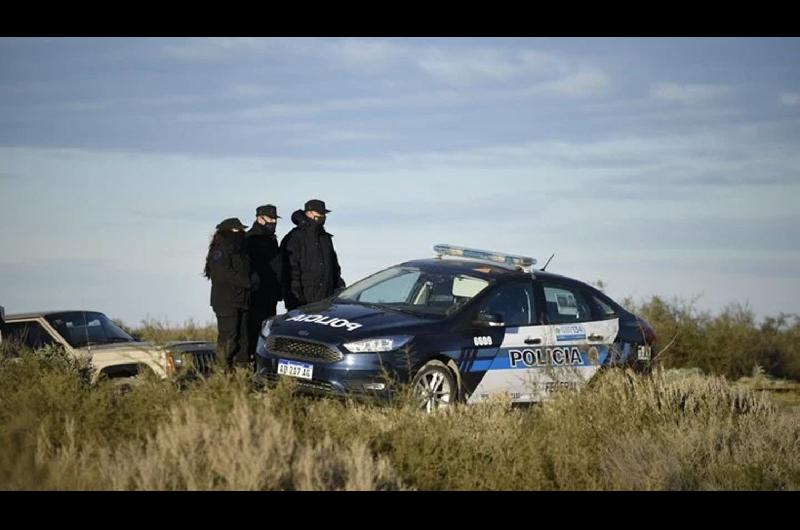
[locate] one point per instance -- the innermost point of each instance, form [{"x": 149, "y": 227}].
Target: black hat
[
  {"x": 230, "y": 224},
  {"x": 269, "y": 210},
  {"x": 316, "y": 205}
]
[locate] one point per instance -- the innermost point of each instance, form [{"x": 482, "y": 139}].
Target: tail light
[{"x": 648, "y": 332}]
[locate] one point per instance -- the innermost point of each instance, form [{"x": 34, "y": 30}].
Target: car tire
[
  {"x": 123, "y": 385},
  {"x": 434, "y": 385}
]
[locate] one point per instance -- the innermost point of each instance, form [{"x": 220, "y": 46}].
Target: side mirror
[
  {"x": 489, "y": 320},
  {"x": 2, "y": 314}
]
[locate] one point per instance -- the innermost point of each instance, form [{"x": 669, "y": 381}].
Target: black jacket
[
  {"x": 265, "y": 261},
  {"x": 311, "y": 269},
  {"x": 229, "y": 268}
]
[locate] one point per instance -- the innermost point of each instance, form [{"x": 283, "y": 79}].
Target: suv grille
[
  {"x": 203, "y": 361},
  {"x": 303, "y": 350}
]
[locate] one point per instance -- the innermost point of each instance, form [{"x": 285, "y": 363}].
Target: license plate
[
  {"x": 643, "y": 353},
  {"x": 295, "y": 369}
]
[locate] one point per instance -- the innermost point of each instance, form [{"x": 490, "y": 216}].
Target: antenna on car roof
[{"x": 548, "y": 262}]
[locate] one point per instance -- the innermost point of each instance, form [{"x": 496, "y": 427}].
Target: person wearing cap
[
  {"x": 311, "y": 269},
  {"x": 262, "y": 247},
  {"x": 228, "y": 268}
]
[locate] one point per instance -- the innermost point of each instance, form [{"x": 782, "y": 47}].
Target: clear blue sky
[{"x": 662, "y": 166}]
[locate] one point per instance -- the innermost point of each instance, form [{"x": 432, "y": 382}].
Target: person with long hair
[{"x": 228, "y": 268}]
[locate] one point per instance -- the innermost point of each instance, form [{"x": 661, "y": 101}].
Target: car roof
[{"x": 39, "y": 314}]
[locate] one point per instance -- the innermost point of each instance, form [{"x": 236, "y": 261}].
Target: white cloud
[
  {"x": 340, "y": 136},
  {"x": 247, "y": 90},
  {"x": 557, "y": 74},
  {"x": 83, "y": 106},
  {"x": 368, "y": 53},
  {"x": 542, "y": 62},
  {"x": 791, "y": 99},
  {"x": 211, "y": 49},
  {"x": 688, "y": 93},
  {"x": 578, "y": 84},
  {"x": 276, "y": 110},
  {"x": 463, "y": 68}
]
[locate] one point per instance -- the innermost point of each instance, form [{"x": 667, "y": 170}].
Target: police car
[{"x": 460, "y": 327}]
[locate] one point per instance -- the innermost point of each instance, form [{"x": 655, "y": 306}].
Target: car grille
[
  {"x": 302, "y": 349},
  {"x": 203, "y": 361}
]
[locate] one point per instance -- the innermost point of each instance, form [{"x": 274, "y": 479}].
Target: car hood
[{"x": 336, "y": 323}]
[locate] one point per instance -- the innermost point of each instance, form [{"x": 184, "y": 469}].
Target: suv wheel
[{"x": 435, "y": 386}]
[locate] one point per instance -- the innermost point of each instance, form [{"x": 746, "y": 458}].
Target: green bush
[{"x": 730, "y": 343}]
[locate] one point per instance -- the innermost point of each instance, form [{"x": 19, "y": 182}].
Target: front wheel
[
  {"x": 434, "y": 386},
  {"x": 123, "y": 385}
]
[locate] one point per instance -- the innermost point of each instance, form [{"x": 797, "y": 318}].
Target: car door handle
[
  {"x": 595, "y": 337},
  {"x": 533, "y": 341}
]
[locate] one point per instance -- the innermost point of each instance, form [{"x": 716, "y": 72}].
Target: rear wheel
[{"x": 435, "y": 386}]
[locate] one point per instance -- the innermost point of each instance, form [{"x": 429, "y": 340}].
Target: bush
[
  {"x": 626, "y": 432},
  {"x": 731, "y": 343}
]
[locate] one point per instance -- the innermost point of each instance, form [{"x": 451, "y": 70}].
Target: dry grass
[
  {"x": 156, "y": 331},
  {"x": 669, "y": 431}
]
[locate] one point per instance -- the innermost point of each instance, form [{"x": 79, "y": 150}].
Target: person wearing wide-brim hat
[
  {"x": 228, "y": 268},
  {"x": 311, "y": 269},
  {"x": 262, "y": 247}
]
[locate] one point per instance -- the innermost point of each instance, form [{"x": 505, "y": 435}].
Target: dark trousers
[
  {"x": 257, "y": 316},
  {"x": 232, "y": 342}
]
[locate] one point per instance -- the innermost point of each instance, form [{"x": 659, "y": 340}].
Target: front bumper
[{"x": 356, "y": 374}]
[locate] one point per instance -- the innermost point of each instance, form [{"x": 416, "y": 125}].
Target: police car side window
[
  {"x": 566, "y": 304},
  {"x": 513, "y": 302}
]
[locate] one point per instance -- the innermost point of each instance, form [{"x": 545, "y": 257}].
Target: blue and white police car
[{"x": 460, "y": 327}]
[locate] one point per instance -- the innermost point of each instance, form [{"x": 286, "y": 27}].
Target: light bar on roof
[{"x": 485, "y": 255}]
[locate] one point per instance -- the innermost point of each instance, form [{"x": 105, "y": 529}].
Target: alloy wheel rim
[{"x": 433, "y": 390}]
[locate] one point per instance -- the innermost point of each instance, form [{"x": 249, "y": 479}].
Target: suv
[
  {"x": 459, "y": 329},
  {"x": 114, "y": 353}
]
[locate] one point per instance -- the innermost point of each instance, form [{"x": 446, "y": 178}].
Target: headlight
[
  {"x": 265, "y": 327},
  {"x": 378, "y": 345}
]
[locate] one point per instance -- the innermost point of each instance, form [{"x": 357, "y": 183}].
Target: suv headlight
[
  {"x": 378, "y": 344},
  {"x": 266, "y": 327}
]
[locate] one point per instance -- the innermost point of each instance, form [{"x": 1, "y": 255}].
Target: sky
[{"x": 661, "y": 166}]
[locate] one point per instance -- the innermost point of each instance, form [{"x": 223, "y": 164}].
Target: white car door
[{"x": 562, "y": 352}]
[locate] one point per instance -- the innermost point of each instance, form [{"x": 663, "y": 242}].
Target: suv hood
[{"x": 121, "y": 348}]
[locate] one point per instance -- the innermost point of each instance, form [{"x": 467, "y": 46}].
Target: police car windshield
[
  {"x": 87, "y": 328},
  {"x": 415, "y": 290}
]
